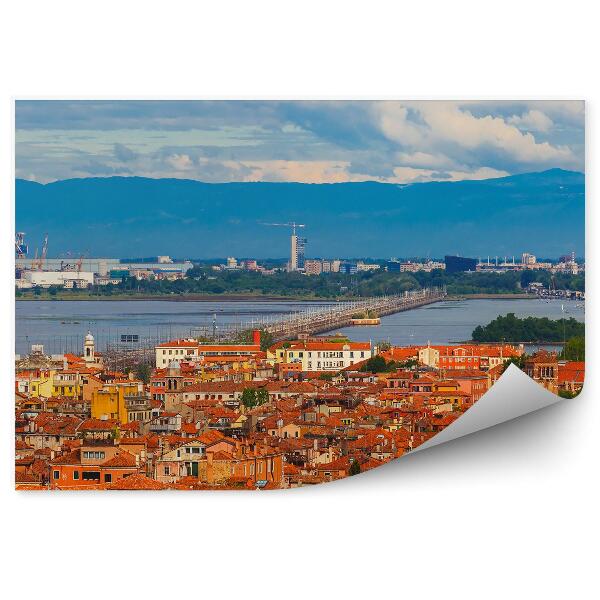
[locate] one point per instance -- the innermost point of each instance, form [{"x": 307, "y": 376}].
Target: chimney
[{"x": 256, "y": 337}]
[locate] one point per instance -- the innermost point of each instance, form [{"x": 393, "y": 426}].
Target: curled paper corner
[{"x": 513, "y": 395}]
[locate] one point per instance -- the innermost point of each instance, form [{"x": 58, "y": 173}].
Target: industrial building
[
  {"x": 82, "y": 272},
  {"x": 103, "y": 266},
  {"x": 459, "y": 264},
  {"x": 45, "y": 279}
]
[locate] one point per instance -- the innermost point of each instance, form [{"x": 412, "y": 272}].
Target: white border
[{"x": 503, "y": 513}]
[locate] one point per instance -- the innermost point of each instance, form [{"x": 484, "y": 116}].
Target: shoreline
[
  {"x": 530, "y": 343},
  {"x": 186, "y": 298},
  {"x": 246, "y": 298},
  {"x": 520, "y": 296}
]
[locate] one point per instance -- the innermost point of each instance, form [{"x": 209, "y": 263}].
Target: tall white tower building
[{"x": 297, "y": 246}]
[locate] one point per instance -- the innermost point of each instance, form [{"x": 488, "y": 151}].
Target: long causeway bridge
[
  {"x": 310, "y": 321},
  {"x": 322, "y": 319}
]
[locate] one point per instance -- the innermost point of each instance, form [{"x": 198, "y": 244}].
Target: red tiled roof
[
  {"x": 138, "y": 482},
  {"x": 179, "y": 344},
  {"x": 98, "y": 425},
  {"x": 122, "y": 459}
]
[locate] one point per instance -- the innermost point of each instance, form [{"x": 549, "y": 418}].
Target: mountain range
[{"x": 542, "y": 213}]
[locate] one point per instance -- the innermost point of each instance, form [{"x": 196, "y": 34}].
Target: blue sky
[{"x": 305, "y": 141}]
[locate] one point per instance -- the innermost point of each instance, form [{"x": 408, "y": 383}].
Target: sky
[{"x": 302, "y": 141}]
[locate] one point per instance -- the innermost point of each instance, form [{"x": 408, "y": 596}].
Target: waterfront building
[
  {"x": 193, "y": 350},
  {"x": 348, "y": 267},
  {"x": 458, "y": 264},
  {"x": 320, "y": 356},
  {"x": 313, "y": 267},
  {"x": 68, "y": 279},
  {"x": 361, "y": 266},
  {"x": 297, "y": 250}
]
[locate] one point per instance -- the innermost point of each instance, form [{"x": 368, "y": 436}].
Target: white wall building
[
  {"x": 323, "y": 356},
  {"x": 194, "y": 351},
  {"x": 62, "y": 278}
]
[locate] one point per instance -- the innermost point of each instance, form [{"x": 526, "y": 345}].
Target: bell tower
[{"x": 89, "y": 348}]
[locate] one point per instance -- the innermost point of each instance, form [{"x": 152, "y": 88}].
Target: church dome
[
  {"x": 89, "y": 337},
  {"x": 174, "y": 364}
]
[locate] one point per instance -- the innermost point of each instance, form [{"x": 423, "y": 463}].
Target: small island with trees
[{"x": 512, "y": 329}]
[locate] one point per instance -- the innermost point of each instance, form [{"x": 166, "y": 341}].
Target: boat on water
[{"x": 366, "y": 321}]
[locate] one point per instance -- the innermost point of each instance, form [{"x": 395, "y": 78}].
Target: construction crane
[
  {"x": 38, "y": 263},
  {"x": 20, "y": 245},
  {"x": 293, "y": 225}
]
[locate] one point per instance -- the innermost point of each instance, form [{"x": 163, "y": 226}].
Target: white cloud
[
  {"x": 180, "y": 162},
  {"x": 424, "y": 159},
  {"x": 307, "y": 171},
  {"x": 532, "y": 120},
  {"x": 392, "y": 120},
  {"x": 313, "y": 142},
  {"x": 448, "y": 124},
  {"x": 451, "y": 124},
  {"x": 413, "y": 175}
]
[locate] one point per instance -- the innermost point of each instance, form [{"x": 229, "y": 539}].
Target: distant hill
[{"x": 541, "y": 213}]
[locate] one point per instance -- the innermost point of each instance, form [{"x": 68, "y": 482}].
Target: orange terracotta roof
[
  {"x": 122, "y": 459},
  {"x": 137, "y": 482}
]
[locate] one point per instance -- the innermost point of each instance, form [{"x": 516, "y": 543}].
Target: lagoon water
[
  {"x": 454, "y": 321},
  {"x": 61, "y": 325}
]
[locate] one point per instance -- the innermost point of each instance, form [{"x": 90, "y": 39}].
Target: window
[
  {"x": 76, "y": 475},
  {"x": 91, "y": 476},
  {"x": 167, "y": 470},
  {"x": 107, "y": 477},
  {"x": 195, "y": 450},
  {"x": 56, "y": 474}
]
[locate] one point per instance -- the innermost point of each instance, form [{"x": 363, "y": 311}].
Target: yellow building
[
  {"x": 67, "y": 383},
  {"x": 109, "y": 403},
  {"x": 40, "y": 386}
]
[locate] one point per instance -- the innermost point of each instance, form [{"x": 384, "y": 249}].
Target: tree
[
  {"x": 518, "y": 361},
  {"x": 383, "y": 346},
  {"x": 411, "y": 363},
  {"x": 262, "y": 396},
  {"x": 375, "y": 364},
  {"x": 143, "y": 372},
  {"x": 574, "y": 349},
  {"x": 354, "y": 467},
  {"x": 249, "y": 398}
]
